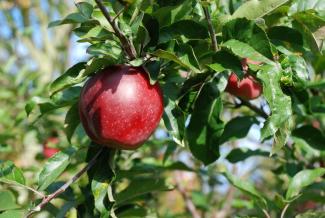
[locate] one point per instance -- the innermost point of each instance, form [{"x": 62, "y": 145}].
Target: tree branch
[
  {"x": 50, "y": 197},
  {"x": 211, "y": 29},
  {"x": 127, "y": 44},
  {"x": 257, "y": 110},
  {"x": 284, "y": 210},
  {"x": 190, "y": 207}
]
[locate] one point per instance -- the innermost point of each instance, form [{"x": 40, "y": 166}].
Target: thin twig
[
  {"x": 211, "y": 29},
  {"x": 126, "y": 43},
  {"x": 50, "y": 197},
  {"x": 257, "y": 110},
  {"x": 284, "y": 210},
  {"x": 190, "y": 207},
  {"x": 23, "y": 186},
  {"x": 267, "y": 215}
]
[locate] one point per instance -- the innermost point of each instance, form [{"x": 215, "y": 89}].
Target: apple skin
[
  {"x": 50, "y": 151},
  {"x": 248, "y": 88},
  {"x": 119, "y": 108}
]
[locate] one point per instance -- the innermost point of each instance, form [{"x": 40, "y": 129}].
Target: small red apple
[
  {"x": 48, "y": 150},
  {"x": 248, "y": 88},
  {"x": 119, "y": 108}
]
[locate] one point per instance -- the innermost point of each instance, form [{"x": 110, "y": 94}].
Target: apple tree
[{"x": 238, "y": 86}]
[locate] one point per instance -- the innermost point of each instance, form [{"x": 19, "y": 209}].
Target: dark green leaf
[
  {"x": 239, "y": 154},
  {"x": 102, "y": 176},
  {"x": 73, "y": 18},
  {"x": 311, "y": 135},
  {"x": 181, "y": 28},
  {"x": 237, "y": 128},
  {"x": 205, "y": 126},
  {"x": 72, "y": 120}
]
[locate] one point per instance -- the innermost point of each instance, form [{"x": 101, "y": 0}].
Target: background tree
[{"x": 213, "y": 155}]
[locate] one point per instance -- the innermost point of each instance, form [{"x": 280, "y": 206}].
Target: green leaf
[
  {"x": 7, "y": 201},
  {"x": 172, "y": 57},
  {"x": 140, "y": 187},
  {"x": 78, "y": 73},
  {"x": 244, "y": 50},
  {"x": 205, "y": 126},
  {"x": 73, "y": 18},
  {"x": 280, "y": 123},
  {"x": 308, "y": 23},
  {"x": 303, "y": 5},
  {"x": 102, "y": 176},
  {"x": 254, "y": 9},
  {"x": 247, "y": 188},
  {"x": 132, "y": 211},
  {"x": 240, "y": 154},
  {"x": 9, "y": 173},
  {"x": 249, "y": 32},
  {"x": 85, "y": 9},
  {"x": 181, "y": 28},
  {"x": 71, "y": 121},
  {"x": 171, "y": 14},
  {"x": 237, "y": 128},
  {"x": 311, "y": 214},
  {"x": 58, "y": 100},
  {"x": 12, "y": 214},
  {"x": 54, "y": 167},
  {"x": 68, "y": 79},
  {"x": 302, "y": 179},
  {"x": 287, "y": 34},
  {"x": 311, "y": 135}
]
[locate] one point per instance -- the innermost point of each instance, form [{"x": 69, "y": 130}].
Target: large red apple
[
  {"x": 119, "y": 108},
  {"x": 248, "y": 88}
]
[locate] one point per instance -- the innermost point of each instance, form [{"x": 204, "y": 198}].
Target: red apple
[
  {"x": 119, "y": 108},
  {"x": 48, "y": 150},
  {"x": 248, "y": 88}
]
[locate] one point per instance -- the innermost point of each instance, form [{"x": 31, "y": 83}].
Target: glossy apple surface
[
  {"x": 119, "y": 108},
  {"x": 48, "y": 149},
  {"x": 248, "y": 88}
]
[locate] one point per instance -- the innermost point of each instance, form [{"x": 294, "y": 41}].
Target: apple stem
[
  {"x": 50, "y": 197},
  {"x": 257, "y": 110},
  {"x": 211, "y": 29},
  {"x": 127, "y": 44}
]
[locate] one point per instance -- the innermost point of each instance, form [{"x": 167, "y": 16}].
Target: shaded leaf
[
  {"x": 311, "y": 135},
  {"x": 71, "y": 121},
  {"x": 240, "y": 154},
  {"x": 237, "y": 128},
  {"x": 205, "y": 126}
]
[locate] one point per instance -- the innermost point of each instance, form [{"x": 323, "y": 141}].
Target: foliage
[{"x": 189, "y": 47}]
